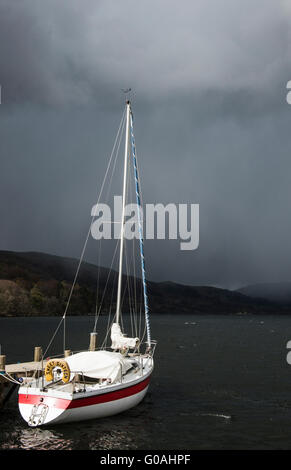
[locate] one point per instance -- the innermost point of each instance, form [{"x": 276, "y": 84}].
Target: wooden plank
[{"x": 23, "y": 367}]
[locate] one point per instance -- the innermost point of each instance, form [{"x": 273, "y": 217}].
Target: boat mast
[{"x": 123, "y": 211}]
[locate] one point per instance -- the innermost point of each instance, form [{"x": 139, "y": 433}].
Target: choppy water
[{"x": 220, "y": 382}]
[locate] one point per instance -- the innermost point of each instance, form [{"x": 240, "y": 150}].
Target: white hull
[{"x": 41, "y": 408}]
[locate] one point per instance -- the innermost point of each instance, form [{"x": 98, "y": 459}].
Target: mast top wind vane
[{"x": 127, "y": 91}]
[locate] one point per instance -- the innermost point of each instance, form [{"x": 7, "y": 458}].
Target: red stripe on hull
[{"x": 79, "y": 402}]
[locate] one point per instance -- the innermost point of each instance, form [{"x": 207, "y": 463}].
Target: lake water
[{"x": 220, "y": 382}]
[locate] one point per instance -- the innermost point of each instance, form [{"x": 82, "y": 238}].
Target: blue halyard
[{"x": 140, "y": 227}]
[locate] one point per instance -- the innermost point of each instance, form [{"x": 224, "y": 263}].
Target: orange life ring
[{"x": 63, "y": 365}]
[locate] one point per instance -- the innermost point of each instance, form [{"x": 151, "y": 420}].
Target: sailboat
[{"x": 97, "y": 383}]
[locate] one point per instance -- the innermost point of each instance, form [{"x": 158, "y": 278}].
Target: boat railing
[
  {"x": 144, "y": 359},
  {"x": 148, "y": 350},
  {"x": 75, "y": 380}
]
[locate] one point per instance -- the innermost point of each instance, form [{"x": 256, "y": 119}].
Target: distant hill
[
  {"x": 39, "y": 284},
  {"x": 277, "y": 292}
]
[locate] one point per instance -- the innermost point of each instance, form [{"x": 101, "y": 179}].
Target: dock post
[
  {"x": 3, "y": 382},
  {"x": 93, "y": 337},
  {"x": 2, "y": 364},
  {"x": 37, "y": 354}
]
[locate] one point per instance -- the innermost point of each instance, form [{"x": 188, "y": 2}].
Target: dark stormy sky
[{"x": 212, "y": 126}]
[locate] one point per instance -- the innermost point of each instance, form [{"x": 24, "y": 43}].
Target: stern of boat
[{"x": 38, "y": 410}]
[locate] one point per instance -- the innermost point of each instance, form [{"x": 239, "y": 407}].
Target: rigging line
[
  {"x": 92, "y": 220},
  {"x": 89, "y": 231},
  {"x": 109, "y": 326},
  {"x": 115, "y": 160},
  {"x": 114, "y": 316},
  {"x": 142, "y": 205},
  {"x": 144, "y": 333},
  {"x": 141, "y": 335},
  {"x": 135, "y": 274},
  {"x": 140, "y": 299},
  {"x": 141, "y": 233},
  {"x": 133, "y": 306},
  {"x": 108, "y": 329},
  {"x": 129, "y": 291},
  {"x": 136, "y": 280},
  {"x": 110, "y": 309},
  {"x": 121, "y": 305},
  {"x": 97, "y": 288},
  {"x": 109, "y": 315},
  {"x": 140, "y": 308},
  {"x": 106, "y": 200},
  {"x": 133, "y": 287},
  {"x": 53, "y": 337},
  {"x": 108, "y": 276},
  {"x": 121, "y": 276},
  {"x": 113, "y": 320},
  {"x": 128, "y": 277},
  {"x": 127, "y": 265},
  {"x": 141, "y": 283},
  {"x": 64, "y": 335},
  {"x": 122, "y": 301},
  {"x": 129, "y": 261},
  {"x": 103, "y": 346}
]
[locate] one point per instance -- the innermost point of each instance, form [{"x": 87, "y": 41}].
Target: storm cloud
[{"x": 211, "y": 120}]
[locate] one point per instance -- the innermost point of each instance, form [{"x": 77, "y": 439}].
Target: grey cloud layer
[
  {"x": 212, "y": 126},
  {"x": 67, "y": 52}
]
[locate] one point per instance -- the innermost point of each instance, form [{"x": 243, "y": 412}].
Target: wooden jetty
[
  {"x": 16, "y": 371},
  {"x": 11, "y": 373}
]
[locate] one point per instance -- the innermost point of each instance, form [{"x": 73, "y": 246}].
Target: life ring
[{"x": 52, "y": 364}]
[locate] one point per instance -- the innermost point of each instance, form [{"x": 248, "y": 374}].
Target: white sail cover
[
  {"x": 98, "y": 364},
  {"x": 119, "y": 341}
]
